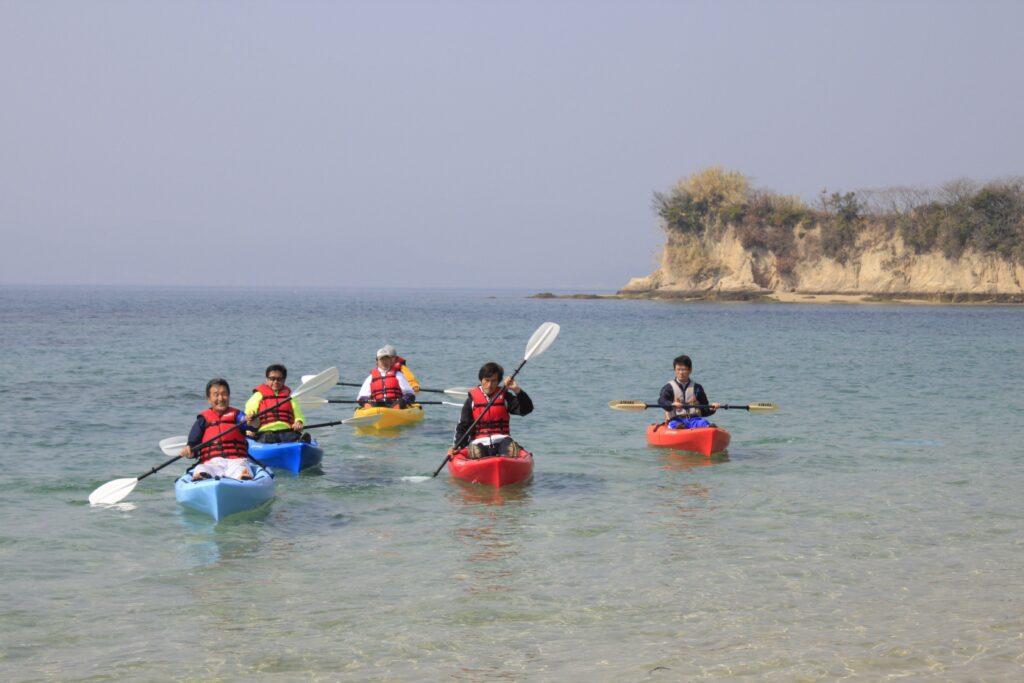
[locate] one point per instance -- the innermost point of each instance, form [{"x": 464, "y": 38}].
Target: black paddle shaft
[
  {"x": 465, "y": 437},
  {"x": 353, "y": 384}
]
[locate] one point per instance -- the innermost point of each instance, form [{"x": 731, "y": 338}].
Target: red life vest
[
  {"x": 276, "y": 413},
  {"x": 232, "y": 444},
  {"x": 384, "y": 387},
  {"x": 397, "y": 365},
  {"x": 496, "y": 421}
]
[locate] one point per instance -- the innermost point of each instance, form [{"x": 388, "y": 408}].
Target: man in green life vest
[{"x": 282, "y": 423}]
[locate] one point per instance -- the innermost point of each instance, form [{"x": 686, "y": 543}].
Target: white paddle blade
[
  {"x": 458, "y": 392},
  {"x": 541, "y": 340},
  {"x": 363, "y": 420},
  {"x": 312, "y": 402},
  {"x": 306, "y": 378},
  {"x": 172, "y": 445},
  {"x": 113, "y": 491},
  {"x": 318, "y": 384},
  {"x": 629, "y": 406}
]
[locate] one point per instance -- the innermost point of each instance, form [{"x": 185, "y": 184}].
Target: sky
[{"x": 463, "y": 143}]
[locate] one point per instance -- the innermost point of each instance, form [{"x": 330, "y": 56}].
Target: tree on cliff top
[{"x": 709, "y": 193}]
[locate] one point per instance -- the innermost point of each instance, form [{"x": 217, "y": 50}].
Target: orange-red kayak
[
  {"x": 703, "y": 440},
  {"x": 494, "y": 471}
]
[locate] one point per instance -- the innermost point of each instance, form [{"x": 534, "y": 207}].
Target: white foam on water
[{"x": 417, "y": 478}]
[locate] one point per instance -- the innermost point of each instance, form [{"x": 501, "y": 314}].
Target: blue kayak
[
  {"x": 293, "y": 457},
  {"x": 222, "y": 497}
]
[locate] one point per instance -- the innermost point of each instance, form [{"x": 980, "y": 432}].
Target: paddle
[
  {"x": 538, "y": 344},
  {"x": 172, "y": 445},
  {"x": 118, "y": 489},
  {"x": 457, "y": 392},
  {"x": 638, "y": 406},
  {"x": 316, "y": 401}
]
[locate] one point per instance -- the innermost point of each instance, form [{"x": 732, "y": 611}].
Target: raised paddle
[
  {"x": 118, "y": 489},
  {"x": 638, "y": 406},
  {"x": 457, "y": 392},
  {"x": 538, "y": 344}
]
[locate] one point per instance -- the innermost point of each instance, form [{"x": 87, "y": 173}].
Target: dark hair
[
  {"x": 489, "y": 369},
  {"x": 683, "y": 360},
  {"x": 217, "y": 382},
  {"x": 277, "y": 366}
]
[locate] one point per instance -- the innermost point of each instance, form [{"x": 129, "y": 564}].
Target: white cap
[{"x": 386, "y": 350}]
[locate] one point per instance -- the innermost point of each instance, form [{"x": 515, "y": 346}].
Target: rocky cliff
[{"x": 715, "y": 265}]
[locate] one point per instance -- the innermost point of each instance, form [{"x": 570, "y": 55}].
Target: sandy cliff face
[{"x": 717, "y": 265}]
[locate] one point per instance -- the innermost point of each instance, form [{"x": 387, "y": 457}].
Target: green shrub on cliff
[
  {"x": 703, "y": 197},
  {"x": 959, "y": 216}
]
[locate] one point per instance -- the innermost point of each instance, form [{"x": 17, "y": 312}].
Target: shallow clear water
[{"x": 869, "y": 530}]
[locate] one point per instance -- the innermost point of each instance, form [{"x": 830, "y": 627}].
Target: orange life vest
[
  {"x": 384, "y": 387},
  {"x": 276, "y": 413},
  {"x": 232, "y": 444},
  {"x": 496, "y": 421}
]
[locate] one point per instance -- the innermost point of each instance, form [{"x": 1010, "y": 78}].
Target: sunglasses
[{"x": 275, "y": 378}]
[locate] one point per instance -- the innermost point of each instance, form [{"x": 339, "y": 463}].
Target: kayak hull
[
  {"x": 390, "y": 418},
  {"x": 703, "y": 440},
  {"x": 291, "y": 457},
  {"x": 493, "y": 471},
  {"x": 222, "y": 497}
]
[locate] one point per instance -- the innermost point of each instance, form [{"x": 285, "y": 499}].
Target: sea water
[{"x": 869, "y": 530}]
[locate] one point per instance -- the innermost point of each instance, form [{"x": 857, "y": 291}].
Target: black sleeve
[
  {"x": 465, "y": 420},
  {"x": 702, "y": 399},
  {"x": 195, "y": 435},
  {"x": 666, "y": 397},
  {"x": 519, "y": 404}
]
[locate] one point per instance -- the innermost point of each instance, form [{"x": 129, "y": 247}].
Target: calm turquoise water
[{"x": 869, "y": 530}]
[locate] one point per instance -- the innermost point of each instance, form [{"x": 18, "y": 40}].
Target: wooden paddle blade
[
  {"x": 318, "y": 384},
  {"x": 541, "y": 340},
  {"x": 363, "y": 420},
  {"x": 629, "y": 406},
  {"x": 113, "y": 491},
  {"x": 458, "y": 392},
  {"x": 172, "y": 445},
  {"x": 762, "y": 407}
]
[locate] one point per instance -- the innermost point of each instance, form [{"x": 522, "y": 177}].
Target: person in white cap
[
  {"x": 400, "y": 364},
  {"x": 386, "y": 384}
]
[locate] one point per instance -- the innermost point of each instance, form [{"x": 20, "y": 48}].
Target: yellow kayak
[{"x": 391, "y": 417}]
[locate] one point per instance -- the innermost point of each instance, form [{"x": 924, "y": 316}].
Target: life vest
[
  {"x": 232, "y": 444},
  {"x": 397, "y": 365},
  {"x": 687, "y": 395},
  {"x": 496, "y": 421},
  {"x": 384, "y": 387},
  {"x": 275, "y": 412}
]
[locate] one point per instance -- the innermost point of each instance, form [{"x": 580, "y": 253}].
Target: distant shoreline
[{"x": 974, "y": 299}]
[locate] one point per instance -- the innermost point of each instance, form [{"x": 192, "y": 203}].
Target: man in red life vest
[
  {"x": 491, "y": 434},
  {"x": 283, "y": 421},
  {"x": 227, "y": 456},
  {"x": 386, "y": 385}
]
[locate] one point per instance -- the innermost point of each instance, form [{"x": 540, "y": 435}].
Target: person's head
[
  {"x": 386, "y": 356},
  {"x": 490, "y": 376},
  {"x": 683, "y": 367},
  {"x": 218, "y": 394},
  {"x": 276, "y": 375}
]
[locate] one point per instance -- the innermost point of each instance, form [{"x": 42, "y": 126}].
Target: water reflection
[
  {"x": 685, "y": 460},
  {"x": 490, "y": 529},
  {"x": 476, "y": 494},
  {"x": 210, "y": 542}
]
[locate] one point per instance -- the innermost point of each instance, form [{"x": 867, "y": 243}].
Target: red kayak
[
  {"x": 494, "y": 471},
  {"x": 703, "y": 440}
]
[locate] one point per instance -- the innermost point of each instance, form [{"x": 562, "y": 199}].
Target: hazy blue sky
[{"x": 506, "y": 144}]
